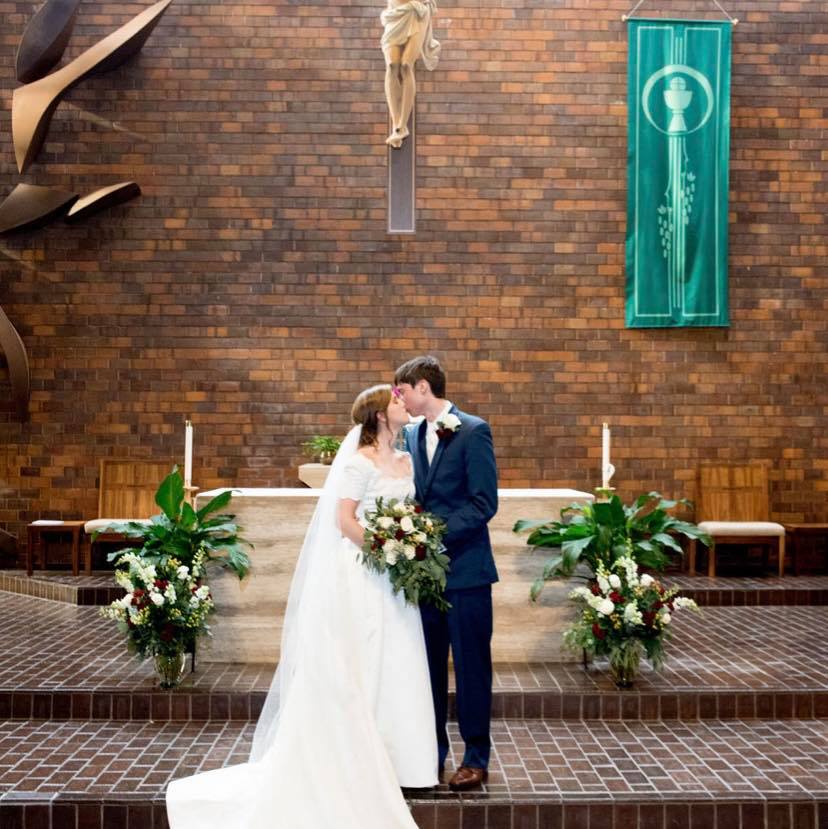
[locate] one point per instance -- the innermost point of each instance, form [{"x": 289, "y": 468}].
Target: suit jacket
[{"x": 460, "y": 486}]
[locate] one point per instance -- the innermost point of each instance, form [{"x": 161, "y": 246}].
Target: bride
[{"x": 349, "y": 717}]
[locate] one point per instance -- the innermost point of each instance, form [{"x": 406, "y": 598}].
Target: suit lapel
[
  {"x": 421, "y": 457},
  {"x": 438, "y": 455}
]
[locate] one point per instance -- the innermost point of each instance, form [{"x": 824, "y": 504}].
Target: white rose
[
  {"x": 399, "y": 509},
  {"x": 603, "y": 584},
  {"x": 666, "y": 617},
  {"x": 126, "y": 602},
  {"x": 203, "y": 592},
  {"x": 615, "y": 581},
  {"x": 409, "y": 551},
  {"x": 407, "y": 525},
  {"x": 183, "y": 571},
  {"x": 386, "y": 522},
  {"x": 606, "y": 607},
  {"x": 419, "y": 538},
  {"x": 391, "y": 556},
  {"x": 683, "y": 601},
  {"x": 194, "y": 601},
  {"x": 169, "y": 593},
  {"x": 451, "y": 421},
  {"x": 646, "y": 580},
  {"x": 157, "y": 599}
]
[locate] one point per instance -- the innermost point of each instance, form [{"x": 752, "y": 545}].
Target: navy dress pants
[{"x": 467, "y": 630}]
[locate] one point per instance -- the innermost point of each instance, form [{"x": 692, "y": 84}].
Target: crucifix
[{"x": 407, "y": 36}]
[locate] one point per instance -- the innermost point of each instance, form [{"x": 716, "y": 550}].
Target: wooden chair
[
  {"x": 126, "y": 492},
  {"x": 733, "y": 507}
]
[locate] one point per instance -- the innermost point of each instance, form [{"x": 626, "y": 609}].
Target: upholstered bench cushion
[
  {"x": 97, "y": 524},
  {"x": 723, "y": 528}
]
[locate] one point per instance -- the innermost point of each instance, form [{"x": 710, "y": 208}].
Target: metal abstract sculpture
[
  {"x": 45, "y": 39},
  {"x": 101, "y": 199},
  {"x": 33, "y": 105},
  {"x": 18, "y": 363},
  {"x": 29, "y": 206}
]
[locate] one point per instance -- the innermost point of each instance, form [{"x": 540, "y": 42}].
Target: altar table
[{"x": 247, "y": 626}]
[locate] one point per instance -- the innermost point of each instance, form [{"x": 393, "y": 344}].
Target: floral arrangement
[
  {"x": 624, "y": 615},
  {"x": 166, "y": 605},
  {"x": 403, "y": 540}
]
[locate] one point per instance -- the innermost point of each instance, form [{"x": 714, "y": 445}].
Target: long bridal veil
[{"x": 306, "y": 626}]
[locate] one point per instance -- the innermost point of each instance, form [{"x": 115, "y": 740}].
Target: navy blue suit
[{"x": 460, "y": 486}]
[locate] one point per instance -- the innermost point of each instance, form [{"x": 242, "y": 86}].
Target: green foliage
[
  {"x": 322, "y": 446},
  {"x": 181, "y": 533},
  {"x": 598, "y": 534}
]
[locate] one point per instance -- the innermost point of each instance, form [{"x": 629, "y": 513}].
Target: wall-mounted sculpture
[
  {"x": 102, "y": 199},
  {"x": 18, "y": 364},
  {"x": 34, "y": 104},
  {"x": 29, "y": 206},
  {"x": 45, "y": 39}
]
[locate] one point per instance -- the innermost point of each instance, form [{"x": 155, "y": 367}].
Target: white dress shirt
[{"x": 431, "y": 432}]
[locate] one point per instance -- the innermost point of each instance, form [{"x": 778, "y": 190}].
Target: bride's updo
[{"x": 367, "y": 406}]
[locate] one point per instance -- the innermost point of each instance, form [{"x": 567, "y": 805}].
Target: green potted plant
[
  {"x": 168, "y": 599},
  {"x": 322, "y": 447},
  {"x": 622, "y": 614}
]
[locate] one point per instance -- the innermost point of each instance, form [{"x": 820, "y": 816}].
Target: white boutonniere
[{"x": 447, "y": 426}]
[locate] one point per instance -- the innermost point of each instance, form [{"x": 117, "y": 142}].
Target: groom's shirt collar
[{"x": 432, "y": 424}]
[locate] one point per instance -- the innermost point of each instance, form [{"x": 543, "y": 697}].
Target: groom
[{"x": 456, "y": 478}]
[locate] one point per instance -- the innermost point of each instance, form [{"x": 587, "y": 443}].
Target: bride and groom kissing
[{"x": 358, "y": 705}]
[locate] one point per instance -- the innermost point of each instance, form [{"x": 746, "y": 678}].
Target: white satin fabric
[{"x": 349, "y": 719}]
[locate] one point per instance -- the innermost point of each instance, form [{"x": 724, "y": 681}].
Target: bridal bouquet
[
  {"x": 403, "y": 540},
  {"x": 624, "y": 615}
]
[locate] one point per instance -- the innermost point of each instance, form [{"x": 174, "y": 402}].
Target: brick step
[
  {"x": 546, "y": 773},
  {"x": 99, "y": 588},
  {"x": 609, "y": 704}
]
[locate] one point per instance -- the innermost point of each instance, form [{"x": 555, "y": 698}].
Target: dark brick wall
[{"x": 254, "y": 287}]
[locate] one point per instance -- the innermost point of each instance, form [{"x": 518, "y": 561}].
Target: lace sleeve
[{"x": 355, "y": 478}]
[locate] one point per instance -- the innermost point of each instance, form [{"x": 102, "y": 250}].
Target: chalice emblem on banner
[{"x": 677, "y": 100}]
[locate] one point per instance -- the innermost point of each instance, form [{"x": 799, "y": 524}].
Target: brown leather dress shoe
[{"x": 467, "y": 777}]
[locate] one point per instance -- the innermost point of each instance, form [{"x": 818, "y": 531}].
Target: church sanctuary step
[
  {"x": 725, "y": 591},
  {"x": 63, "y": 662},
  {"x": 94, "y": 589},
  {"x": 544, "y": 773}
]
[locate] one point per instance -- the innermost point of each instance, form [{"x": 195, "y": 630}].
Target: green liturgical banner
[{"x": 677, "y": 177}]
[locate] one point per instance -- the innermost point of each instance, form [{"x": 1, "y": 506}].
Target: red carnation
[
  {"x": 598, "y": 632},
  {"x": 616, "y": 597},
  {"x": 420, "y": 552}
]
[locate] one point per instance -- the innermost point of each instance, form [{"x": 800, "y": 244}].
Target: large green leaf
[
  {"x": 170, "y": 494},
  {"x": 219, "y": 502}
]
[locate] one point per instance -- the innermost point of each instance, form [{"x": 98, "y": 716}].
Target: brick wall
[{"x": 253, "y": 285}]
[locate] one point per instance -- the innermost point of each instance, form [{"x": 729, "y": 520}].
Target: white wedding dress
[{"x": 350, "y": 720}]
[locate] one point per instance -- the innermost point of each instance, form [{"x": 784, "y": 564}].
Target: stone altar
[{"x": 247, "y": 625}]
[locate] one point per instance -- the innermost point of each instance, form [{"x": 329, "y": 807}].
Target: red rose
[
  {"x": 418, "y": 509},
  {"x": 161, "y": 584},
  {"x": 649, "y": 618},
  {"x": 399, "y": 535},
  {"x": 596, "y": 591},
  {"x": 598, "y": 632},
  {"x": 136, "y": 596},
  {"x": 420, "y": 552},
  {"x": 615, "y": 597},
  {"x": 658, "y": 605}
]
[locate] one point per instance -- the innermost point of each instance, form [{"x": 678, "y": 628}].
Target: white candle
[
  {"x": 188, "y": 453},
  {"x": 605, "y": 456}
]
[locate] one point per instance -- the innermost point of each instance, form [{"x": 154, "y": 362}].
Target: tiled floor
[
  {"x": 46, "y": 645},
  {"x": 552, "y": 759}
]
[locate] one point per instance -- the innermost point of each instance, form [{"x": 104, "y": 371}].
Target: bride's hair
[{"x": 367, "y": 406}]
